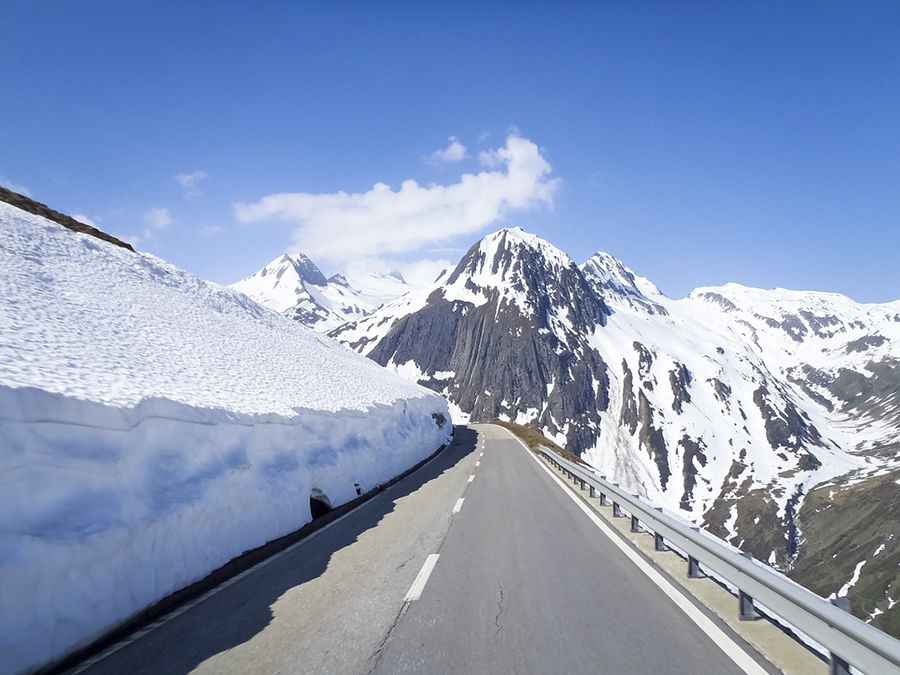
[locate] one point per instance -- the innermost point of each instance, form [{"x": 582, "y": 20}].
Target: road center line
[
  {"x": 721, "y": 639},
  {"x": 478, "y": 463},
  {"x": 471, "y": 478},
  {"x": 418, "y": 585},
  {"x": 458, "y": 506}
]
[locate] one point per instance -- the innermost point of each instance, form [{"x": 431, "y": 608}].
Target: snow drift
[{"x": 154, "y": 426}]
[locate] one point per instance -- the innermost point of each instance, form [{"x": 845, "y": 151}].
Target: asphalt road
[{"x": 523, "y": 583}]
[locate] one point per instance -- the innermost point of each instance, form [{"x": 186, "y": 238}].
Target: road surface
[{"x": 521, "y": 581}]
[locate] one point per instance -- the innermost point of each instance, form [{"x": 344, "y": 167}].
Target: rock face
[
  {"x": 293, "y": 285},
  {"x": 731, "y": 406},
  {"x": 504, "y": 335}
]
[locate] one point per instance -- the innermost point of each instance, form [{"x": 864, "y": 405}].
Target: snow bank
[{"x": 153, "y": 426}]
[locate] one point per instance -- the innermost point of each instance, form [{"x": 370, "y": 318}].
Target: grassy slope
[
  {"x": 533, "y": 438},
  {"x": 843, "y": 525}
]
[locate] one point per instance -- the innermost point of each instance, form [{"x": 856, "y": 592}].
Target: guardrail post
[
  {"x": 617, "y": 510},
  {"x": 837, "y": 665},
  {"x": 603, "y": 501},
  {"x": 591, "y": 492},
  {"x": 694, "y": 571},
  {"x": 747, "y": 608},
  {"x": 635, "y": 524},
  {"x": 659, "y": 543}
]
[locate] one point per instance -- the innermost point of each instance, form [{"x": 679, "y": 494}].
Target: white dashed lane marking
[{"x": 415, "y": 591}]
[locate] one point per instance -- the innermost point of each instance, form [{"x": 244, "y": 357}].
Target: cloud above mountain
[
  {"x": 454, "y": 152},
  {"x": 341, "y": 226},
  {"x": 191, "y": 182}
]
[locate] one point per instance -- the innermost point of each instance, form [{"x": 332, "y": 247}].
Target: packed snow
[{"x": 154, "y": 426}]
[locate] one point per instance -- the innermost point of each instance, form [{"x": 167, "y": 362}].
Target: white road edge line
[
  {"x": 175, "y": 613},
  {"x": 418, "y": 585},
  {"x": 471, "y": 478},
  {"x": 741, "y": 658}
]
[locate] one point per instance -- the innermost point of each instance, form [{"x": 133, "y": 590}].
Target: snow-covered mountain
[
  {"x": 293, "y": 285},
  {"x": 505, "y": 334},
  {"x": 730, "y": 406}
]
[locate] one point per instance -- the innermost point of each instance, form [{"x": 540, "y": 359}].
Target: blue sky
[{"x": 700, "y": 143}]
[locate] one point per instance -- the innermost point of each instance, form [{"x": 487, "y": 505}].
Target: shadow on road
[{"x": 238, "y": 613}]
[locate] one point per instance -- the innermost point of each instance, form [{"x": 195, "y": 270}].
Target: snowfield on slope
[{"x": 154, "y": 426}]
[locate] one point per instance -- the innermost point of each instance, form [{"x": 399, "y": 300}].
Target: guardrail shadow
[{"x": 242, "y": 610}]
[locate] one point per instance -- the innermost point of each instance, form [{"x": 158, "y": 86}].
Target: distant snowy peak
[
  {"x": 281, "y": 284},
  {"x": 791, "y": 320},
  {"x": 293, "y": 285},
  {"x": 778, "y": 299},
  {"x": 620, "y": 285}
]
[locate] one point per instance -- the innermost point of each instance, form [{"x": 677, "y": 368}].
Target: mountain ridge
[{"x": 730, "y": 405}]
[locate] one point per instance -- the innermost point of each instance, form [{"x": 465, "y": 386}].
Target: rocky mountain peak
[
  {"x": 620, "y": 286},
  {"x": 514, "y": 268},
  {"x": 497, "y": 253},
  {"x": 304, "y": 268}
]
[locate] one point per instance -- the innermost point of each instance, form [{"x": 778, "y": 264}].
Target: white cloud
[
  {"x": 342, "y": 226},
  {"x": 155, "y": 220},
  {"x": 190, "y": 182},
  {"x": 490, "y": 158},
  {"x": 158, "y": 219},
  {"x": 81, "y": 218},
  {"x": 454, "y": 152}
]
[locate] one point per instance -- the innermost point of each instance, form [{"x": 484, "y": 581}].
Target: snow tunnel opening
[{"x": 319, "y": 504}]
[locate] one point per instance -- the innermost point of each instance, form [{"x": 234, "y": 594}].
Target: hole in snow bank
[{"x": 319, "y": 504}]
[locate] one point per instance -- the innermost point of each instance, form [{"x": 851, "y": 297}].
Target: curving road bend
[{"x": 478, "y": 562}]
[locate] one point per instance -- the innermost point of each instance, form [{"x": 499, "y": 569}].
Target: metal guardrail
[{"x": 849, "y": 640}]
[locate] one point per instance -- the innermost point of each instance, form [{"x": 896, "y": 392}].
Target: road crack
[
  {"x": 404, "y": 563},
  {"x": 376, "y": 656},
  {"x": 500, "y": 609}
]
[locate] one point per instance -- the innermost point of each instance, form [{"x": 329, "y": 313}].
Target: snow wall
[{"x": 154, "y": 426}]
